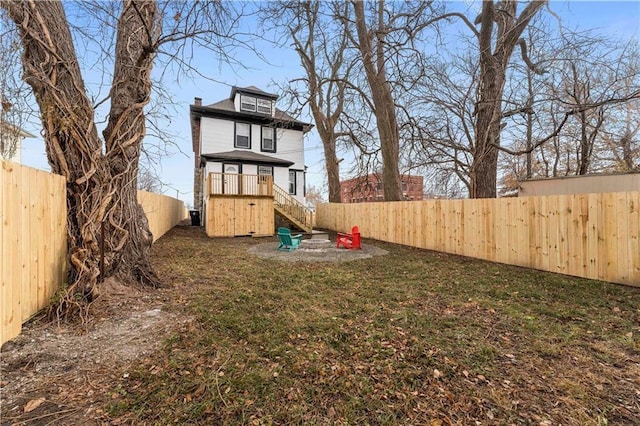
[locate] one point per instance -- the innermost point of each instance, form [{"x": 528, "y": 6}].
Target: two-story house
[{"x": 249, "y": 164}]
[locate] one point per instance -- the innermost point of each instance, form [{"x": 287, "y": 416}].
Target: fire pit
[
  {"x": 319, "y": 240},
  {"x": 315, "y": 244}
]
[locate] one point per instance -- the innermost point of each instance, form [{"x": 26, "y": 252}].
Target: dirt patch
[{"x": 54, "y": 374}]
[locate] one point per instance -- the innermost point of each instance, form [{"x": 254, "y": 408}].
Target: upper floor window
[
  {"x": 268, "y": 139},
  {"x": 247, "y": 103},
  {"x": 264, "y": 106},
  {"x": 243, "y": 135}
]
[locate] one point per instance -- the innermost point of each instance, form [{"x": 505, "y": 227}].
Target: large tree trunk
[
  {"x": 385, "y": 111},
  {"x": 494, "y": 59},
  {"x": 325, "y": 100},
  {"x": 101, "y": 190},
  {"x": 129, "y": 235},
  {"x": 328, "y": 137},
  {"x": 72, "y": 143}
]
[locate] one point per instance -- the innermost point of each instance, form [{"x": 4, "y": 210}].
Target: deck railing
[{"x": 239, "y": 184}]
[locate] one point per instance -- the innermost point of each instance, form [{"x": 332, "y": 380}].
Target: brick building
[{"x": 366, "y": 189}]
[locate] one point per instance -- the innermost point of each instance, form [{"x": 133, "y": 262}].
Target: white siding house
[
  {"x": 11, "y": 138},
  {"x": 246, "y": 134}
]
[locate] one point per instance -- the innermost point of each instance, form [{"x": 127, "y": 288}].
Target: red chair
[{"x": 350, "y": 241}]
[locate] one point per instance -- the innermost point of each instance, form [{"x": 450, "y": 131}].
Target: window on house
[
  {"x": 243, "y": 135},
  {"x": 268, "y": 139},
  {"x": 379, "y": 186},
  {"x": 404, "y": 187},
  {"x": 247, "y": 103},
  {"x": 265, "y": 170},
  {"x": 292, "y": 182},
  {"x": 264, "y": 106}
]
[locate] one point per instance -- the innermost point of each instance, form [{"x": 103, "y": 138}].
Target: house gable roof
[
  {"x": 251, "y": 90},
  {"x": 246, "y": 157},
  {"x": 226, "y": 109}
]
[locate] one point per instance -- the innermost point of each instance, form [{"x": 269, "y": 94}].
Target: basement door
[{"x": 245, "y": 217}]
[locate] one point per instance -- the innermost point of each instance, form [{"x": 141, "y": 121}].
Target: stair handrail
[{"x": 293, "y": 207}]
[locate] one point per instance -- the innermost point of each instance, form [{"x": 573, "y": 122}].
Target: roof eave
[
  {"x": 203, "y": 111},
  {"x": 271, "y": 161}
]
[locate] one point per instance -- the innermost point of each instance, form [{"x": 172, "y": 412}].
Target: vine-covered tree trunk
[
  {"x": 101, "y": 189},
  {"x": 129, "y": 235}
]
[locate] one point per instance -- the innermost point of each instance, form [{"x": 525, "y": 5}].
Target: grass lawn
[{"x": 414, "y": 337}]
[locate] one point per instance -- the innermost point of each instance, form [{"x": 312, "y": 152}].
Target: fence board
[
  {"x": 634, "y": 240},
  {"x": 622, "y": 229},
  {"x": 587, "y": 235},
  {"x": 33, "y": 239},
  {"x": 11, "y": 311}
]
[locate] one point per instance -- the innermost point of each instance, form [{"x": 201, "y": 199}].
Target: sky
[{"x": 618, "y": 18}]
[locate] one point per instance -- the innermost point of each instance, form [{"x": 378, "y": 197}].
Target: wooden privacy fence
[
  {"x": 163, "y": 213},
  {"x": 33, "y": 239},
  {"x": 586, "y": 235}
]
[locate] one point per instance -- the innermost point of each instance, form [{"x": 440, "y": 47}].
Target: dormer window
[
  {"x": 247, "y": 103},
  {"x": 264, "y": 106},
  {"x": 254, "y": 104}
]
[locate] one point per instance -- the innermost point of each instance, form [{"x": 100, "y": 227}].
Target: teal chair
[{"x": 287, "y": 241}]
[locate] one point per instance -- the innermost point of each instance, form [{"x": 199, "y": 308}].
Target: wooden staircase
[{"x": 291, "y": 209}]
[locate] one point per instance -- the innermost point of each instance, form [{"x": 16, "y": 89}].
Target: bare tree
[
  {"x": 621, "y": 132},
  {"x": 15, "y": 108},
  {"x": 102, "y": 173},
  {"x": 384, "y": 37},
  {"x": 591, "y": 81},
  {"x": 483, "y": 108},
  {"x": 460, "y": 126},
  {"x": 149, "y": 181},
  {"x": 314, "y": 196},
  {"x": 500, "y": 32},
  {"x": 320, "y": 44}
]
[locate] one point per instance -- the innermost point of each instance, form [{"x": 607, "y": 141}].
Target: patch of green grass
[{"x": 411, "y": 337}]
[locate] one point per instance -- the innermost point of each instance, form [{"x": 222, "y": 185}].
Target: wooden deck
[{"x": 241, "y": 204}]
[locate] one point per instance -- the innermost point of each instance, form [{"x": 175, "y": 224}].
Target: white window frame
[
  {"x": 293, "y": 183},
  {"x": 263, "y": 169},
  {"x": 272, "y": 138},
  {"x": 264, "y": 106},
  {"x": 237, "y": 134},
  {"x": 247, "y": 103}
]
